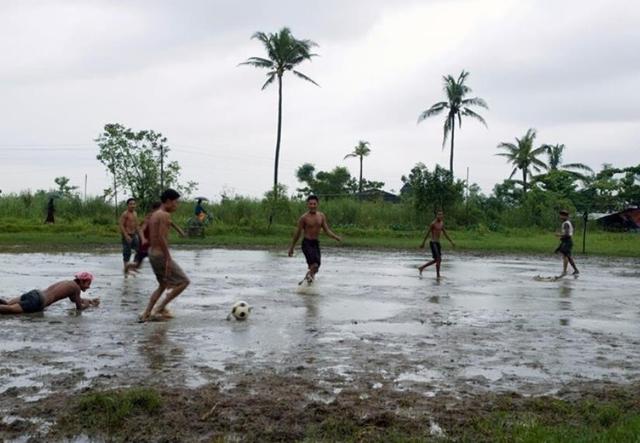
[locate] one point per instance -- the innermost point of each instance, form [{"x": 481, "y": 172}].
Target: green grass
[
  {"x": 551, "y": 420},
  {"x": 611, "y": 415},
  {"x": 80, "y": 236},
  {"x": 108, "y": 411}
]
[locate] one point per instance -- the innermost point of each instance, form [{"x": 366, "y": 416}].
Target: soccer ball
[{"x": 241, "y": 310}]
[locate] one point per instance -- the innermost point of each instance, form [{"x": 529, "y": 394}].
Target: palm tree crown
[
  {"x": 361, "y": 150},
  {"x": 457, "y": 105},
  {"x": 284, "y": 53},
  {"x": 554, "y": 153},
  {"x": 522, "y": 155}
]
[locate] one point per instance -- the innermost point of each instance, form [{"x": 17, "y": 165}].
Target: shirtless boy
[
  {"x": 128, "y": 225},
  {"x": 37, "y": 300},
  {"x": 143, "y": 250},
  {"x": 311, "y": 223},
  {"x": 436, "y": 228},
  {"x": 168, "y": 273}
]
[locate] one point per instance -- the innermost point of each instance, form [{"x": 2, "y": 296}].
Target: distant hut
[
  {"x": 378, "y": 195},
  {"x": 627, "y": 220}
]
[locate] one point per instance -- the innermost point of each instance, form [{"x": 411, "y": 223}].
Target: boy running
[
  {"x": 566, "y": 243},
  {"x": 143, "y": 250},
  {"x": 311, "y": 222},
  {"x": 128, "y": 225},
  {"x": 436, "y": 228}
]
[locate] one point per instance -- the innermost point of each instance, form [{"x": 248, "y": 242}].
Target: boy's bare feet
[{"x": 165, "y": 314}]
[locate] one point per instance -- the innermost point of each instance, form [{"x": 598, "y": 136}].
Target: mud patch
[{"x": 269, "y": 407}]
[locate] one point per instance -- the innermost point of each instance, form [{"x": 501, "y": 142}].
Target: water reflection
[
  {"x": 158, "y": 351},
  {"x": 564, "y": 301}
]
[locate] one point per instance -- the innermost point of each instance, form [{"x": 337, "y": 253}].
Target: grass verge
[{"x": 82, "y": 237}]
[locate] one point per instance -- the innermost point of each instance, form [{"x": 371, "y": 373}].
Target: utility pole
[
  {"x": 585, "y": 219},
  {"x": 161, "y": 167}
]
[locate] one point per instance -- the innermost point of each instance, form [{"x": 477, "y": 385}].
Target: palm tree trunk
[
  {"x": 453, "y": 130},
  {"x": 360, "y": 187},
  {"x": 524, "y": 181},
  {"x": 275, "y": 167}
]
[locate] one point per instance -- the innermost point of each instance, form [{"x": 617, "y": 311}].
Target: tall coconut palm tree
[
  {"x": 522, "y": 155},
  {"x": 284, "y": 53},
  {"x": 361, "y": 150},
  {"x": 554, "y": 154},
  {"x": 458, "y": 106}
]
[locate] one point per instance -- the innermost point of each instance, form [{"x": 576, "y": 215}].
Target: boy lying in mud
[{"x": 36, "y": 300}]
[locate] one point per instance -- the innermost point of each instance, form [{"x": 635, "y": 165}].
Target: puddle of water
[{"x": 367, "y": 313}]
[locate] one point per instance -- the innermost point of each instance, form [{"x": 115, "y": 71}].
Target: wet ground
[{"x": 488, "y": 325}]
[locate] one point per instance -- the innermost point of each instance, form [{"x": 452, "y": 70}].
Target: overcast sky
[{"x": 570, "y": 69}]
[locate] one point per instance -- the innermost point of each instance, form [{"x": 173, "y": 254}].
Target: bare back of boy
[
  {"x": 159, "y": 223},
  {"x": 60, "y": 290}
]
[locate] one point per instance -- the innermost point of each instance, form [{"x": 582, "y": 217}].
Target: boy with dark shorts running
[
  {"x": 143, "y": 250},
  {"x": 436, "y": 228},
  {"x": 566, "y": 243},
  {"x": 311, "y": 222},
  {"x": 37, "y": 300},
  {"x": 168, "y": 273}
]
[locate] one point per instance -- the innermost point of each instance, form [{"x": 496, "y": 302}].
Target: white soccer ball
[{"x": 241, "y": 310}]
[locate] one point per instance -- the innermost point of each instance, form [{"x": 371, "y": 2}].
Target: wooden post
[{"x": 585, "y": 218}]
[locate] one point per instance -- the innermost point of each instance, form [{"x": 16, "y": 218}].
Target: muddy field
[{"x": 368, "y": 325}]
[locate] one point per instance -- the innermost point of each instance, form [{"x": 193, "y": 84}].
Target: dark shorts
[
  {"x": 127, "y": 248},
  {"x": 566, "y": 244},
  {"x": 32, "y": 301},
  {"x": 311, "y": 251},
  {"x": 436, "y": 249},
  {"x": 142, "y": 253}
]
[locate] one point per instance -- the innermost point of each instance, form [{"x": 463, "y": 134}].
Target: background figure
[
  {"x": 200, "y": 212},
  {"x": 50, "y": 210}
]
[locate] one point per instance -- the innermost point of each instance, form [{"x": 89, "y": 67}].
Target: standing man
[
  {"x": 36, "y": 300},
  {"x": 51, "y": 209},
  {"x": 129, "y": 229},
  {"x": 168, "y": 273},
  {"x": 566, "y": 243},
  {"x": 436, "y": 228},
  {"x": 311, "y": 223}
]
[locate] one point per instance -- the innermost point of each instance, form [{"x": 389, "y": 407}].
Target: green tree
[
  {"x": 559, "y": 181},
  {"x": 630, "y": 186},
  {"x": 523, "y": 156},
  {"x": 430, "y": 191},
  {"x": 138, "y": 162},
  {"x": 555, "y": 153},
  {"x": 361, "y": 150},
  {"x": 458, "y": 106},
  {"x": 284, "y": 53},
  {"x": 64, "y": 189},
  {"x": 328, "y": 184}
]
